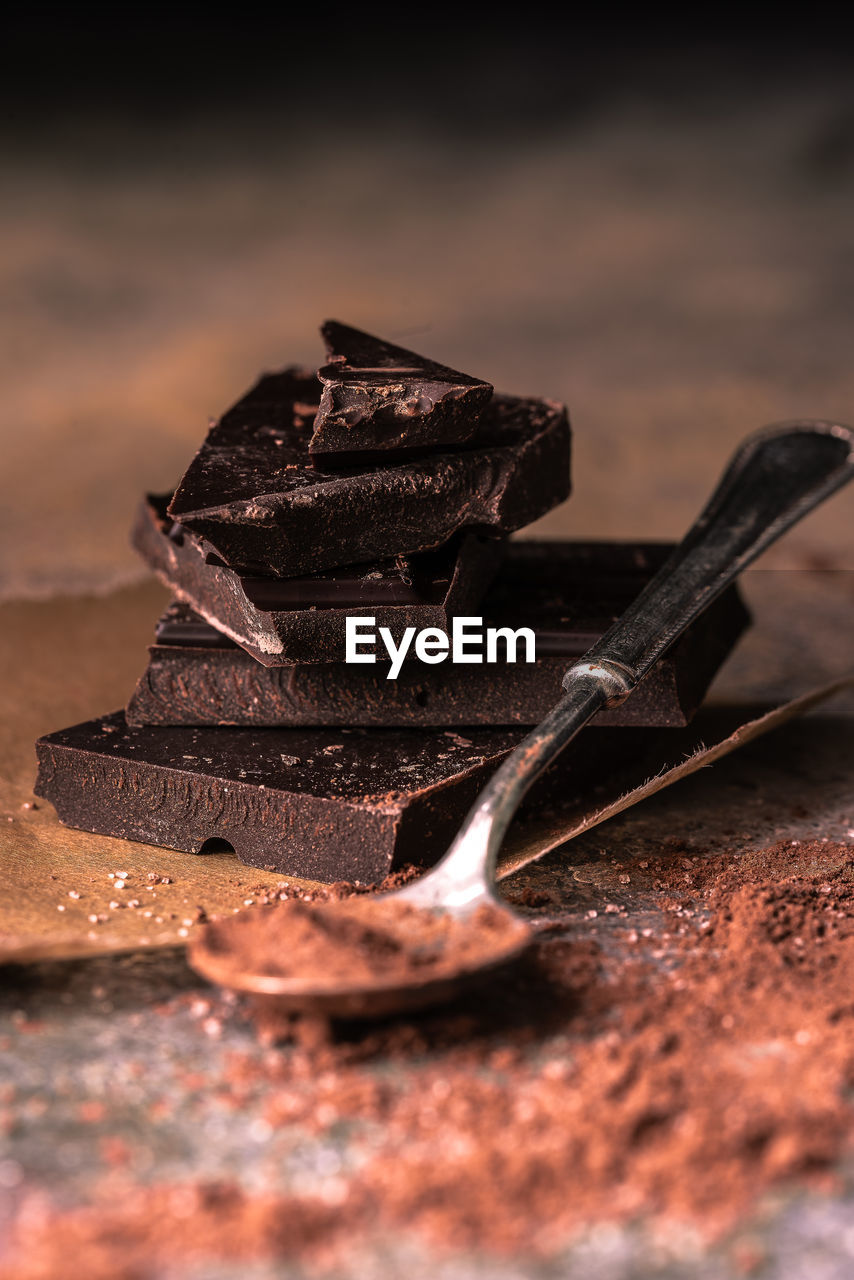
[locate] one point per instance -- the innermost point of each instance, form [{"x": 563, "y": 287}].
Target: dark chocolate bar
[
  {"x": 568, "y": 593},
  {"x": 326, "y": 804},
  {"x": 253, "y": 493},
  {"x": 377, "y": 397},
  {"x": 281, "y": 621}
]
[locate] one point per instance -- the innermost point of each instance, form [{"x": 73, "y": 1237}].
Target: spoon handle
[{"x": 775, "y": 478}]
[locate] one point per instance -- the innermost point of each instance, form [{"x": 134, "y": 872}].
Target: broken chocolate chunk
[
  {"x": 281, "y": 621},
  {"x": 568, "y": 593},
  {"x": 253, "y": 493},
  {"x": 377, "y": 396}
]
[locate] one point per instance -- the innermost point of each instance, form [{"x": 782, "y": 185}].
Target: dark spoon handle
[{"x": 774, "y": 479}]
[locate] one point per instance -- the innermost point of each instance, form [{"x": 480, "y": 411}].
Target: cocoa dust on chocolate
[
  {"x": 362, "y": 939},
  {"x": 676, "y": 1072}
]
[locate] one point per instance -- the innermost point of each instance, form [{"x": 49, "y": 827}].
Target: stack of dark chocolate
[{"x": 385, "y": 487}]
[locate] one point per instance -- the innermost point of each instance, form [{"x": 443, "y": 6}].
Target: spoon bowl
[{"x": 327, "y": 995}]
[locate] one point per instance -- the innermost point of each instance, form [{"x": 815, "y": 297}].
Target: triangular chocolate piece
[{"x": 378, "y": 397}]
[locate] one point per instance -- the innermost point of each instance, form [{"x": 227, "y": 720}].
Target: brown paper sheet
[
  {"x": 536, "y": 839},
  {"x": 45, "y": 864},
  {"x": 67, "y": 659}
]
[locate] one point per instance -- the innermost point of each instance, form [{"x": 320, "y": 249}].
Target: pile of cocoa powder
[
  {"x": 670, "y": 1072},
  {"x": 363, "y": 939}
]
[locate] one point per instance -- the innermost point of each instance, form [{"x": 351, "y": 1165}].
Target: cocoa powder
[
  {"x": 676, "y": 1071},
  {"x": 355, "y": 940}
]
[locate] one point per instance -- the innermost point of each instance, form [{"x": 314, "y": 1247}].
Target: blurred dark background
[
  {"x": 442, "y": 67},
  {"x": 650, "y": 221}
]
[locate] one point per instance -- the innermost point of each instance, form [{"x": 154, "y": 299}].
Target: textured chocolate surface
[
  {"x": 253, "y": 492},
  {"x": 327, "y": 804},
  {"x": 569, "y": 593},
  {"x": 377, "y": 396},
  {"x": 281, "y": 621}
]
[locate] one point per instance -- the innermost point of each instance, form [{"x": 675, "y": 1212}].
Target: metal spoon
[{"x": 775, "y": 478}]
